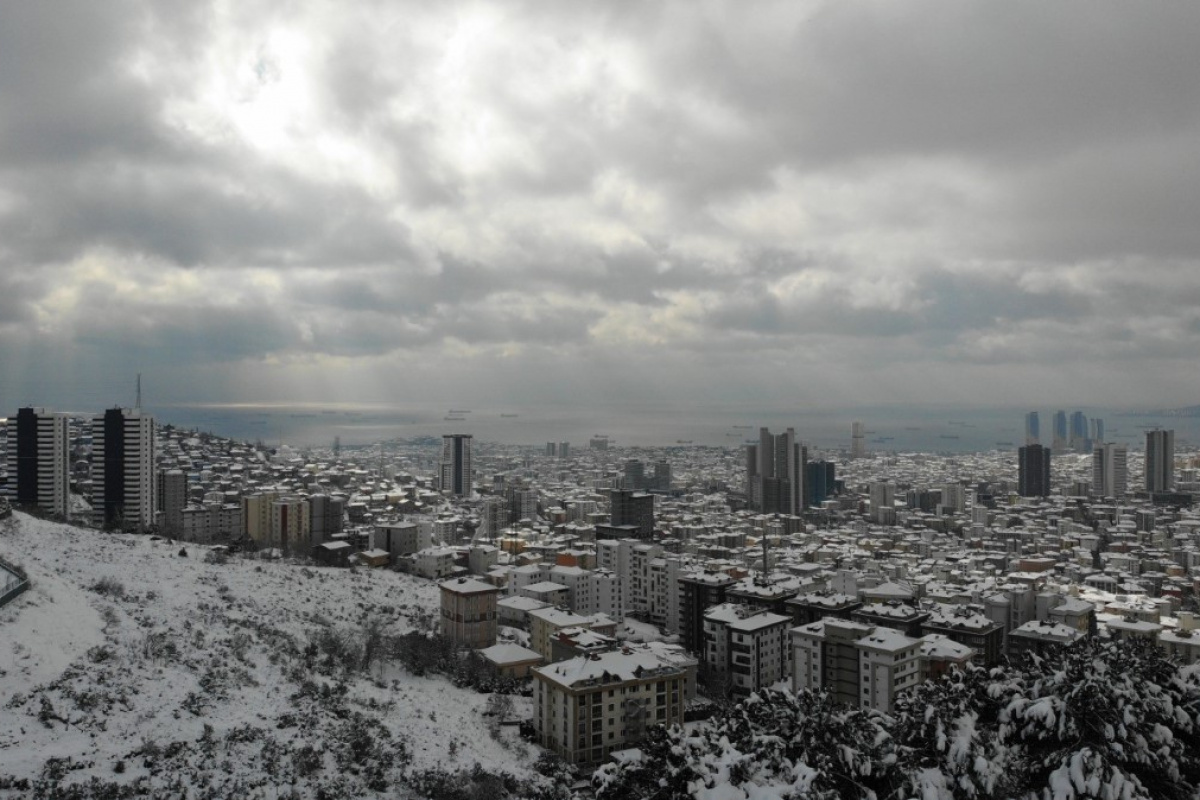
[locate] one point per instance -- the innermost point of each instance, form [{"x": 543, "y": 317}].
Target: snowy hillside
[{"x": 130, "y": 664}]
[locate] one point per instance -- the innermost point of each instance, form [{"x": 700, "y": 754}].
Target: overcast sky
[{"x": 622, "y": 202}]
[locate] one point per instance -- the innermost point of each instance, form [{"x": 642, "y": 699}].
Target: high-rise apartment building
[
  {"x": 662, "y": 476},
  {"x": 291, "y": 526},
  {"x": 1078, "y": 440},
  {"x": 39, "y": 461},
  {"x": 775, "y": 473},
  {"x": 634, "y": 475},
  {"x": 883, "y": 503},
  {"x": 630, "y": 507},
  {"x": 456, "y": 477},
  {"x": 821, "y": 477},
  {"x": 858, "y": 440},
  {"x": 256, "y": 516},
  {"x": 327, "y": 516},
  {"x": 172, "y": 499},
  {"x": 1060, "y": 431},
  {"x": 1033, "y": 428},
  {"x": 124, "y": 474},
  {"x": 1033, "y": 471},
  {"x": 1160, "y": 461},
  {"x": 860, "y": 665},
  {"x": 1109, "y": 470}
]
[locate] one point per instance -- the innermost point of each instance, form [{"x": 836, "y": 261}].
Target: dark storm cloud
[{"x": 853, "y": 185}]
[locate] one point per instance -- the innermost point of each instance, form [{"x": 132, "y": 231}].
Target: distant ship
[
  {"x": 949, "y": 436},
  {"x": 454, "y": 419},
  {"x": 460, "y": 411},
  {"x": 327, "y": 411},
  {"x": 683, "y": 441},
  {"x": 509, "y": 416}
]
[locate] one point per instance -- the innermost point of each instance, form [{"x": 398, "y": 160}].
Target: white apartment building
[
  {"x": 602, "y": 595},
  {"x": 615, "y": 555},
  {"x": 662, "y": 592},
  {"x": 211, "y": 522},
  {"x": 889, "y": 663},
  {"x": 434, "y": 562},
  {"x": 401, "y": 538},
  {"x": 747, "y": 647},
  {"x": 1110, "y": 473}
]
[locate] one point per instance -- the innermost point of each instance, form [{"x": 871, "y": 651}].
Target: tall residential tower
[
  {"x": 1109, "y": 470},
  {"x": 124, "y": 475},
  {"x": 1160, "y": 461},
  {"x": 38, "y": 461},
  {"x": 1033, "y": 433},
  {"x": 456, "y": 464}
]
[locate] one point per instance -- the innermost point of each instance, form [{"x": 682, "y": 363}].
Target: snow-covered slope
[{"x": 131, "y": 662}]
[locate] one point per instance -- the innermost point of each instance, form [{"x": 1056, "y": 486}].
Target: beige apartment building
[
  {"x": 587, "y": 707},
  {"x": 861, "y": 665}
]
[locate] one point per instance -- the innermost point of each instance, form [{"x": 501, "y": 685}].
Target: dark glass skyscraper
[
  {"x": 1033, "y": 471},
  {"x": 1160, "y": 461},
  {"x": 820, "y": 477}
]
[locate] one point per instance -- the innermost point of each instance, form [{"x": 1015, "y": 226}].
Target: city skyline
[{"x": 616, "y": 204}]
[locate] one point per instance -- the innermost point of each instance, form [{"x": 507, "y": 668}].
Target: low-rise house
[{"x": 511, "y": 660}]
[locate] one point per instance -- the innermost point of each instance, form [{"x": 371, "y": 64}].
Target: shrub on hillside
[{"x": 109, "y": 587}]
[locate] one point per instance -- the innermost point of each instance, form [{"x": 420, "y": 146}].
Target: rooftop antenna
[{"x": 138, "y": 404}]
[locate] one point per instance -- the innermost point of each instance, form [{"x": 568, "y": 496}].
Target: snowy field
[{"x": 128, "y": 662}]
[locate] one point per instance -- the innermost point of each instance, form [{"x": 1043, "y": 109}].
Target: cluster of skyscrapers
[
  {"x": 1110, "y": 472},
  {"x": 1073, "y": 434},
  {"x": 779, "y": 477}
]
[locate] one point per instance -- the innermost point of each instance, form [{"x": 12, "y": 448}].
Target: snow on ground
[
  {"x": 44, "y": 630},
  {"x": 130, "y": 661}
]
